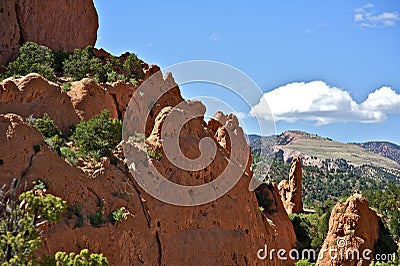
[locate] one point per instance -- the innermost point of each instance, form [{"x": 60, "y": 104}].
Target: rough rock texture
[
  {"x": 9, "y": 32},
  {"x": 227, "y": 231},
  {"x": 57, "y": 24},
  {"x": 124, "y": 243},
  {"x": 269, "y": 199},
  {"x": 89, "y": 98},
  {"x": 122, "y": 93},
  {"x": 290, "y": 190},
  {"x": 18, "y": 140},
  {"x": 218, "y": 125},
  {"x": 352, "y": 226},
  {"x": 34, "y": 95}
]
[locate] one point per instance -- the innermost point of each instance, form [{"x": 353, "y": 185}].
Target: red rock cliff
[{"x": 57, "y": 24}]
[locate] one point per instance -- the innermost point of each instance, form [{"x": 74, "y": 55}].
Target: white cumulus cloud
[
  {"x": 366, "y": 17},
  {"x": 318, "y": 102},
  {"x": 385, "y": 100}
]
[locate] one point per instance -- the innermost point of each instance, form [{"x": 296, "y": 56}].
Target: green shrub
[
  {"x": 118, "y": 214},
  {"x": 133, "y": 67},
  {"x": 59, "y": 58},
  {"x": 33, "y": 58},
  {"x": 387, "y": 202},
  {"x": 310, "y": 230},
  {"x": 56, "y": 143},
  {"x": 67, "y": 86},
  {"x": 69, "y": 155},
  {"x": 82, "y": 259},
  {"x": 98, "y": 136},
  {"x": 40, "y": 185},
  {"x": 84, "y": 63},
  {"x": 75, "y": 209},
  {"x": 51, "y": 134},
  {"x": 46, "y": 126},
  {"x": 304, "y": 262},
  {"x": 154, "y": 153},
  {"x": 97, "y": 219},
  {"x": 19, "y": 218}
]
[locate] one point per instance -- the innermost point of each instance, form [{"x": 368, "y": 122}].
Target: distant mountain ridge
[
  {"x": 384, "y": 148},
  {"x": 331, "y": 169},
  {"x": 314, "y": 149}
]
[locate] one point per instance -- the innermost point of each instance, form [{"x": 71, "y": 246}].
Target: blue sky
[{"x": 327, "y": 67}]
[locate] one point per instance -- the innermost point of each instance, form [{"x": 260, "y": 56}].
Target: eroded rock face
[
  {"x": 56, "y": 24},
  {"x": 353, "y": 227},
  {"x": 18, "y": 143},
  {"x": 9, "y": 33},
  {"x": 34, "y": 95},
  {"x": 229, "y": 230},
  {"x": 290, "y": 190},
  {"x": 121, "y": 92},
  {"x": 124, "y": 243},
  {"x": 89, "y": 99},
  {"x": 269, "y": 199}
]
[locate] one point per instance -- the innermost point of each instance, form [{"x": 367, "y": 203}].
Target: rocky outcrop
[
  {"x": 121, "y": 92},
  {"x": 55, "y": 24},
  {"x": 290, "y": 190},
  {"x": 218, "y": 125},
  {"x": 353, "y": 232},
  {"x": 272, "y": 208},
  {"x": 125, "y": 243},
  {"x": 89, "y": 98},
  {"x": 9, "y": 33},
  {"x": 226, "y": 231},
  {"x": 18, "y": 142},
  {"x": 34, "y": 95}
]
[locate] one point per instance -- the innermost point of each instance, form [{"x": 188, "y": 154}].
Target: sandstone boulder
[
  {"x": 353, "y": 231},
  {"x": 290, "y": 190},
  {"x": 34, "y": 95},
  {"x": 121, "y": 92},
  {"x": 89, "y": 99}
]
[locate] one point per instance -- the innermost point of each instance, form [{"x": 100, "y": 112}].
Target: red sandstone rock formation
[
  {"x": 269, "y": 199},
  {"x": 89, "y": 98},
  {"x": 229, "y": 230},
  {"x": 9, "y": 32},
  {"x": 121, "y": 92},
  {"x": 290, "y": 190},
  {"x": 34, "y": 95},
  {"x": 353, "y": 230},
  {"x": 56, "y": 24}
]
